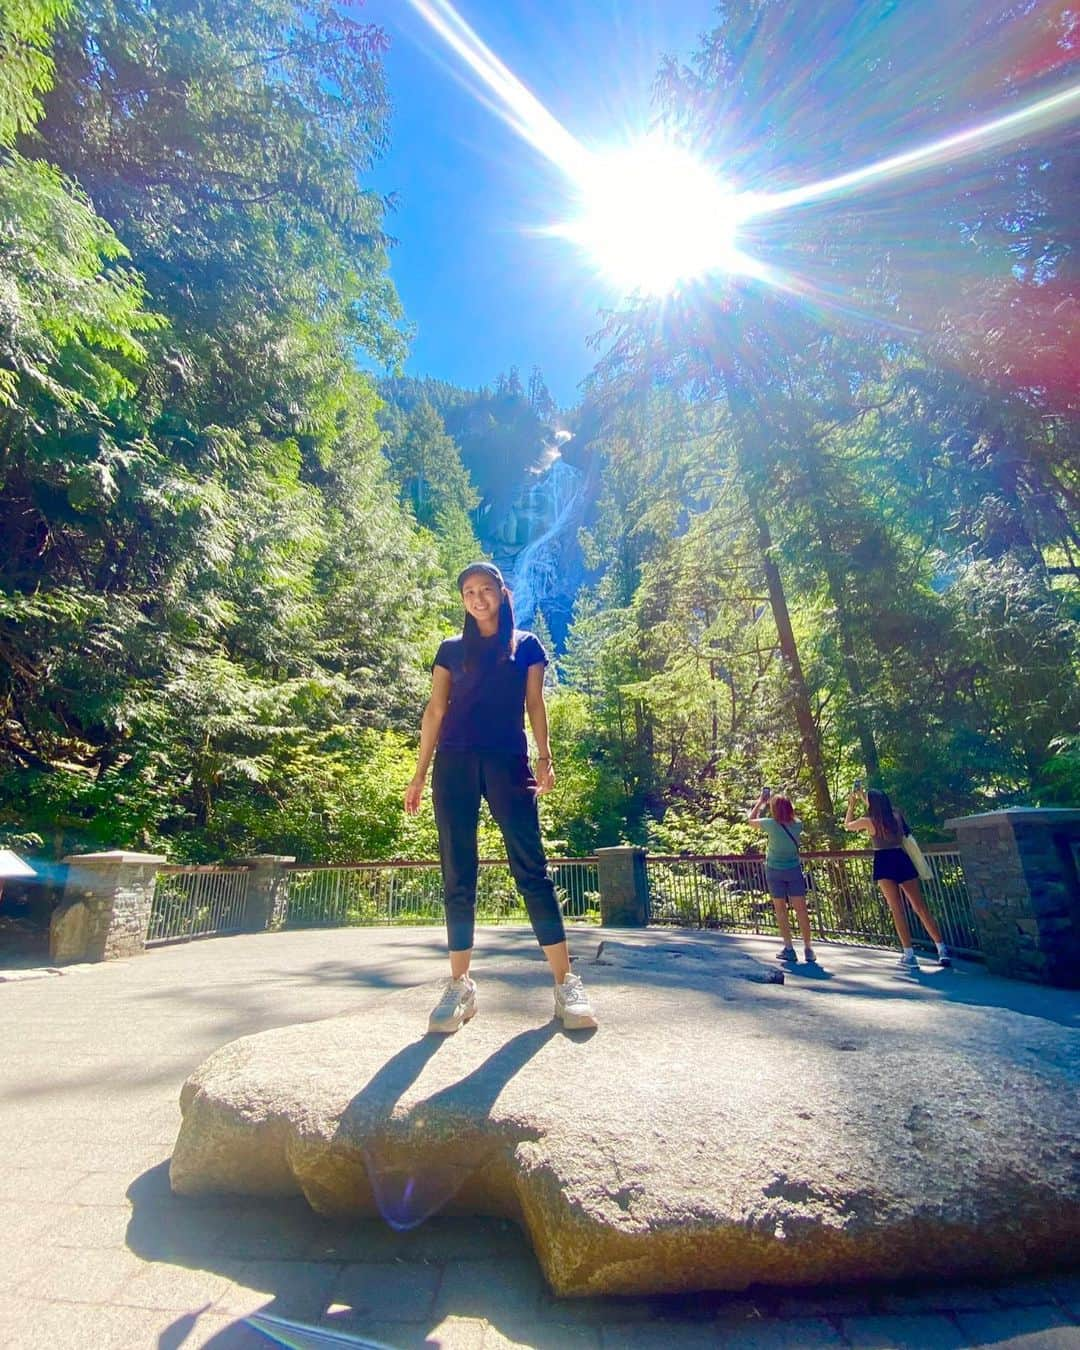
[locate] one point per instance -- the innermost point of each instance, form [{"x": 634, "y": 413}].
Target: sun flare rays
[{"x": 650, "y": 215}]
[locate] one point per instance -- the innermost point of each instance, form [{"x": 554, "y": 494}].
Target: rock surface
[{"x": 715, "y": 1132}]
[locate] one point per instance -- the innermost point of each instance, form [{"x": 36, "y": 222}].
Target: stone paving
[{"x": 96, "y": 1251}]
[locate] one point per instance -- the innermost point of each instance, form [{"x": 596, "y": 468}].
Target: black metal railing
[
  {"x": 190, "y": 902},
  {"x": 728, "y": 891},
  {"x": 722, "y": 891},
  {"x": 358, "y": 894}
]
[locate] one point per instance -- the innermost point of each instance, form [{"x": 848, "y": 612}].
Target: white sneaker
[
  {"x": 457, "y": 1005},
  {"x": 572, "y": 1004}
]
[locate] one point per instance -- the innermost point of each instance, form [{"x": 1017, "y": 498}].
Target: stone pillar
[
  {"x": 267, "y": 890},
  {"x": 624, "y": 887},
  {"x": 1023, "y": 875},
  {"x": 105, "y": 912}
]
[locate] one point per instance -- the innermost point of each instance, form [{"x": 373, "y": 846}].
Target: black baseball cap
[{"x": 489, "y": 569}]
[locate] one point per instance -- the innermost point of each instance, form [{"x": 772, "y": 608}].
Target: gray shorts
[{"x": 786, "y": 883}]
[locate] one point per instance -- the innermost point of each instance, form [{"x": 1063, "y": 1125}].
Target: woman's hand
[
  {"x": 545, "y": 776},
  {"x": 413, "y": 793}
]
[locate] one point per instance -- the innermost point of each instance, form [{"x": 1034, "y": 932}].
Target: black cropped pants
[{"x": 458, "y": 781}]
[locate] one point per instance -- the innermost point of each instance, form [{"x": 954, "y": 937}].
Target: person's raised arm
[
  {"x": 429, "y": 735},
  {"x": 853, "y": 822},
  {"x": 758, "y": 808},
  {"x": 538, "y": 720}
]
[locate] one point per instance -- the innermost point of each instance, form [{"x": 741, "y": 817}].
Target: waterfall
[{"x": 552, "y": 505}]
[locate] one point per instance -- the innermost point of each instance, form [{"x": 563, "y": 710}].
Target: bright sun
[{"x": 652, "y": 216}]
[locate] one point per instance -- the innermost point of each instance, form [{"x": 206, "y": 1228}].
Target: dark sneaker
[
  {"x": 908, "y": 964},
  {"x": 457, "y": 1005},
  {"x": 787, "y": 954},
  {"x": 809, "y": 957},
  {"x": 572, "y": 1006},
  {"x": 943, "y": 957}
]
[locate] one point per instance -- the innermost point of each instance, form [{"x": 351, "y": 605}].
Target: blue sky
[{"x": 482, "y": 290}]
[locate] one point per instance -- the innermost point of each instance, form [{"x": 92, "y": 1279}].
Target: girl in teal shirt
[{"x": 783, "y": 872}]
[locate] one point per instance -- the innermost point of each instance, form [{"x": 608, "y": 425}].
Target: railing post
[
  {"x": 1023, "y": 874},
  {"x": 267, "y": 890},
  {"x": 624, "y": 887},
  {"x": 105, "y": 912}
]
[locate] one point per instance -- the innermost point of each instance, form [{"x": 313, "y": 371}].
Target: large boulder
[{"x": 715, "y": 1132}]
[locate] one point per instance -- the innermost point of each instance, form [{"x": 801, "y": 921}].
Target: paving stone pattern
[{"x": 96, "y": 1251}]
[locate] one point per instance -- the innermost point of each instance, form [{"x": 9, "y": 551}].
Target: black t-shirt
[{"x": 487, "y": 703}]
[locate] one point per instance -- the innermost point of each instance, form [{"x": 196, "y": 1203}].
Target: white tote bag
[{"x": 918, "y": 857}]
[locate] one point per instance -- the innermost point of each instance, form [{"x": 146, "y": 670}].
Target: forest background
[{"x": 817, "y": 548}]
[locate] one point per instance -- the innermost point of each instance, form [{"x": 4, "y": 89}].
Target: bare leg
[
  {"x": 558, "y": 958},
  {"x": 782, "y": 920},
  {"x": 459, "y": 963},
  {"x": 891, "y": 892},
  {"x": 799, "y": 901},
  {"x": 913, "y": 891}
]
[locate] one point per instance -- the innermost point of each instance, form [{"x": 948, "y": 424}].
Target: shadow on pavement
[
  {"x": 343, "y": 1276},
  {"x": 310, "y": 1267}
]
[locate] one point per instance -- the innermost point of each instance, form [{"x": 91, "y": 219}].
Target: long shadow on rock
[
  {"x": 297, "y": 1256},
  {"x": 418, "y": 1160}
]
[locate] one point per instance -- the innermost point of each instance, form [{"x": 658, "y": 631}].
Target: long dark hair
[
  {"x": 473, "y": 640},
  {"x": 880, "y": 810}
]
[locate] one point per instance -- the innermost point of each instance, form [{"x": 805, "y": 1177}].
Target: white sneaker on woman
[
  {"x": 457, "y": 1005},
  {"x": 572, "y": 1004}
]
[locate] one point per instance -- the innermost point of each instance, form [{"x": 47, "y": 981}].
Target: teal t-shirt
[{"x": 781, "y": 850}]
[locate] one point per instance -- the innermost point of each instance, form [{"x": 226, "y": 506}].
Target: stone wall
[
  {"x": 1023, "y": 875},
  {"x": 106, "y": 907},
  {"x": 624, "y": 887},
  {"x": 267, "y": 891}
]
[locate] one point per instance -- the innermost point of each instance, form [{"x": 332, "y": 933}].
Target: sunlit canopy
[{"x": 651, "y": 215}]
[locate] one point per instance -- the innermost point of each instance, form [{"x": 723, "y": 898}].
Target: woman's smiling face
[{"x": 482, "y": 595}]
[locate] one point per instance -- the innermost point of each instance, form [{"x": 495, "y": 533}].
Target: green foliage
[
  {"x": 542, "y": 630},
  {"x": 587, "y": 808},
  {"x": 213, "y": 610},
  {"x": 71, "y": 317},
  {"x": 499, "y": 434},
  {"x": 228, "y": 557},
  {"x": 1059, "y": 779},
  {"x": 225, "y": 142},
  {"x": 26, "y": 28},
  {"x": 425, "y": 463}
]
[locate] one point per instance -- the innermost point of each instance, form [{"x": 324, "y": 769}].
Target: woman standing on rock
[
  {"x": 894, "y": 871},
  {"x": 482, "y": 684},
  {"x": 783, "y": 871}
]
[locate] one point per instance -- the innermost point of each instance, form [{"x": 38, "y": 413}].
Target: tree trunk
[
  {"x": 800, "y": 694},
  {"x": 849, "y": 661}
]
